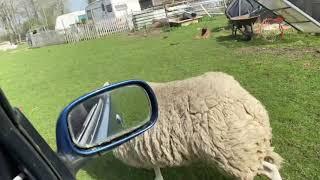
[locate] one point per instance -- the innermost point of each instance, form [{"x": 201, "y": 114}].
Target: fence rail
[
  {"x": 80, "y": 32},
  {"x": 93, "y": 30}
]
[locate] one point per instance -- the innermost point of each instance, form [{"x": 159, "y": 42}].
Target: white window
[
  {"x": 89, "y": 14},
  {"x": 109, "y": 8}
]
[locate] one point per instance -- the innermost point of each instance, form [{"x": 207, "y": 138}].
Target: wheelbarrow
[{"x": 244, "y": 24}]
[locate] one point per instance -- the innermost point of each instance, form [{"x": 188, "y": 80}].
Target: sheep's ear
[{"x": 106, "y": 84}]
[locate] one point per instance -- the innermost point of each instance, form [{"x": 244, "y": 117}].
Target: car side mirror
[{"x": 106, "y": 118}]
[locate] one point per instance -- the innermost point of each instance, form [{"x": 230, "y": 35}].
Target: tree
[
  {"x": 8, "y": 12},
  {"x": 19, "y": 16}
]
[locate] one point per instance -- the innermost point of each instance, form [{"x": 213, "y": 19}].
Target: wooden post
[
  {"x": 65, "y": 32},
  {"x": 225, "y": 4},
  {"x": 205, "y": 10},
  {"x": 126, "y": 17},
  {"x": 95, "y": 28},
  {"x": 240, "y": 4}
]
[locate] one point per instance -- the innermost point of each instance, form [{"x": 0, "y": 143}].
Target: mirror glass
[{"x": 108, "y": 115}]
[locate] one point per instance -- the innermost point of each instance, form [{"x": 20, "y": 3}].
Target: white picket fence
[
  {"x": 80, "y": 32},
  {"x": 93, "y": 30}
]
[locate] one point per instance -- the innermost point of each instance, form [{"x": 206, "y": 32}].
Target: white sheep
[{"x": 209, "y": 118}]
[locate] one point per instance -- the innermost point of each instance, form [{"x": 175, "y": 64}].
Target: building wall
[
  {"x": 145, "y": 4},
  {"x": 131, "y": 6},
  {"x": 45, "y": 38},
  {"x": 106, "y": 9},
  {"x": 98, "y": 10}
]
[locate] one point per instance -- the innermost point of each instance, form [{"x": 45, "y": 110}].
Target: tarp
[{"x": 243, "y": 7}]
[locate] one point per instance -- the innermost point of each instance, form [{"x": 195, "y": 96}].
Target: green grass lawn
[{"x": 283, "y": 75}]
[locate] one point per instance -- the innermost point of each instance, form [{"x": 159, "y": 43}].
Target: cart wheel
[
  {"x": 248, "y": 33},
  {"x": 248, "y": 37},
  {"x": 234, "y": 30}
]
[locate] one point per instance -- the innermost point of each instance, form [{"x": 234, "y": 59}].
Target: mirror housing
[{"x": 65, "y": 140}]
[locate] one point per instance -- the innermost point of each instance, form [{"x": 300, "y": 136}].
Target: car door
[{"x": 23, "y": 152}]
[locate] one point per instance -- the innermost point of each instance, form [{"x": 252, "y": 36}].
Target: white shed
[
  {"x": 105, "y": 9},
  {"x": 64, "y": 21}
]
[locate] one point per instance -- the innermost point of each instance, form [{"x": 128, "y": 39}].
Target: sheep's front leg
[
  {"x": 271, "y": 171},
  {"x": 158, "y": 174}
]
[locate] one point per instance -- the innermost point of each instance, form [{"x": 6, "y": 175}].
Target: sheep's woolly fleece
[{"x": 209, "y": 118}]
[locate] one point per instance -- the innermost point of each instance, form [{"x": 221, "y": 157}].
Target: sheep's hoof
[
  {"x": 158, "y": 178},
  {"x": 271, "y": 171},
  {"x": 106, "y": 84},
  {"x": 157, "y": 173}
]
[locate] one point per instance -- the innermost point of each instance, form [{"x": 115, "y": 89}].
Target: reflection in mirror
[{"x": 106, "y": 116}]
